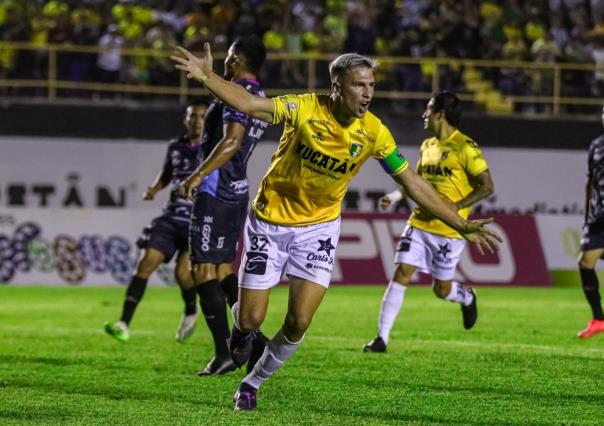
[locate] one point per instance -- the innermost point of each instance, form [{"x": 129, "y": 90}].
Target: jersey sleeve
[
  {"x": 230, "y": 115},
  {"x": 288, "y": 108},
  {"x": 386, "y": 152},
  {"x": 472, "y": 158}
]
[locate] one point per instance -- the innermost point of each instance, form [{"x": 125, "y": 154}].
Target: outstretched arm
[
  {"x": 162, "y": 179},
  {"x": 426, "y": 196},
  {"x": 235, "y": 96}
]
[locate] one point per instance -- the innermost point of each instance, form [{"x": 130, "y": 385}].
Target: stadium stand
[{"x": 74, "y": 48}]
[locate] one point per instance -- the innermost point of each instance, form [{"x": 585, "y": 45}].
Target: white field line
[{"x": 493, "y": 346}]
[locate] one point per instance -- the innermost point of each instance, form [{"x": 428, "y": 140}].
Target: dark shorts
[
  {"x": 166, "y": 235},
  {"x": 215, "y": 228},
  {"x": 593, "y": 237}
]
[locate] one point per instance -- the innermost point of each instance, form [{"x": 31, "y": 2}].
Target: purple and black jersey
[
  {"x": 595, "y": 172},
  {"x": 181, "y": 160},
  {"x": 229, "y": 182}
]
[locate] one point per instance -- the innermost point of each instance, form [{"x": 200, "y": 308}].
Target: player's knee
[
  {"x": 401, "y": 276},
  {"x": 249, "y": 321},
  {"x": 202, "y": 272},
  {"x": 146, "y": 267},
  {"x": 296, "y": 324},
  {"x": 585, "y": 263},
  {"x": 183, "y": 277}
]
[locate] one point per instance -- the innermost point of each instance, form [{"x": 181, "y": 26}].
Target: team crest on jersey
[{"x": 355, "y": 149}]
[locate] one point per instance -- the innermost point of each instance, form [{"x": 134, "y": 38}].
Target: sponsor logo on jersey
[
  {"x": 437, "y": 170},
  {"x": 317, "y": 122},
  {"x": 319, "y": 137},
  {"x": 364, "y": 134},
  {"x": 324, "y": 161}
]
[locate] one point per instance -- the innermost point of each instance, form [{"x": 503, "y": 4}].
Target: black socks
[
  {"x": 213, "y": 306},
  {"x": 589, "y": 281},
  {"x": 230, "y": 288},
  {"x": 189, "y": 296},
  {"x": 134, "y": 294}
]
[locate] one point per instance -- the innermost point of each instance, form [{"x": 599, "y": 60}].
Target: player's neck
[
  {"x": 338, "y": 112},
  {"x": 242, "y": 75},
  {"x": 194, "y": 140},
  {"x": 444, "y": 132}
]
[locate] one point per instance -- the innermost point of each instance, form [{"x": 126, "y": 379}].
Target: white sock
[
  {"x": 459, "y": 294},
  {"x": 276, "y": 352},
  {"x": 235, "y": 314},
  {"x": 391, "y": 306}
]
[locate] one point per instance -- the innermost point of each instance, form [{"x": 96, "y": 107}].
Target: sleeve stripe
[{"x": 394, "y": 163}]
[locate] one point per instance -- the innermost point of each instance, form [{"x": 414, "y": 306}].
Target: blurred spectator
[
  {"x": 109, "y": 59},
  {"x": 361, "y": 32},
  {"x": 598, "y": 58},
  {"x": 558, "y": 31},
  {"x": 162, "y": 42}
]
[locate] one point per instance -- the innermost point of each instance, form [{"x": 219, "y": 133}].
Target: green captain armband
[{"x": 394, "y": 163}]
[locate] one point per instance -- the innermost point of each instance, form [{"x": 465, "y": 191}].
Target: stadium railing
[{"x": 54, "y": 72}]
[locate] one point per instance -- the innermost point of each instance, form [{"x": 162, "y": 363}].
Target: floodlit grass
[{"x": 522, "y": 364}]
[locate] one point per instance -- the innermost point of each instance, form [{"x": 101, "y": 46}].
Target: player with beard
[
  {"x": 168, "y": 233},
  {"x": 221, "y": 199}
]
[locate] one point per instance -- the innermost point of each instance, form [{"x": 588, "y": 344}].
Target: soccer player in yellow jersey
[
  {"x": 453, "y": 164},
  {"x": 293, "y": 225}
]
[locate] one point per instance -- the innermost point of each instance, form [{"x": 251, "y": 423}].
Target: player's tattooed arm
[{"x": 482, "y": 187}]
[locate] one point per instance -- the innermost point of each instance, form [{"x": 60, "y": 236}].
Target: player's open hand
[
  {"x": 477, "y": 233},
  {"x": 198, "y": 68},
  {"x": 188, "y": 187}
]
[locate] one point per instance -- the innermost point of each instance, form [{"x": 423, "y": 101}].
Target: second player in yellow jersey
[{"x": 450, "y": 166}]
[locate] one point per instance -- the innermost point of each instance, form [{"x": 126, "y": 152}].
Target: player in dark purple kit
[
  {"x": 221, "y": 197},
  {"x": 168, "y": 233},
  {"x": 592, "y": 243}
]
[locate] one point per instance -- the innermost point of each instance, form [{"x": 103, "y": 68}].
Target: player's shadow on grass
[{"x": 56, "y": 415}]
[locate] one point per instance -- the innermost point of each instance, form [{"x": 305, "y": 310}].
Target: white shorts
[
  {"x": 272, "y": 251},
  {"x": 429, "y": 253}
]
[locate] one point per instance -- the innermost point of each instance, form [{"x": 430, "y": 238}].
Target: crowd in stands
[{"x": 540, "y": 31}]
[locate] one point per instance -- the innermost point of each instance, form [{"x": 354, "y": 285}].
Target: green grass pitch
[{"x": 521, "y": 364}]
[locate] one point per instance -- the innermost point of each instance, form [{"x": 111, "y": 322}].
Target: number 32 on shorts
[
  {"x": 259, "y": 243},
  {"x": 257, "y": 257}
]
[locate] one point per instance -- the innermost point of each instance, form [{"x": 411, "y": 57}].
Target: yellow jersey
[
  {"x": 316, "y": 159},
  {"x": 448, "y": 166}
]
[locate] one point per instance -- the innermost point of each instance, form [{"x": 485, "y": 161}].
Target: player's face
[
  {"x": 355, "y": 88},
  {"x": 229, "y": 63},
  {"x": 431, "y": 118},
  {"x": 194, "y": 121}
]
